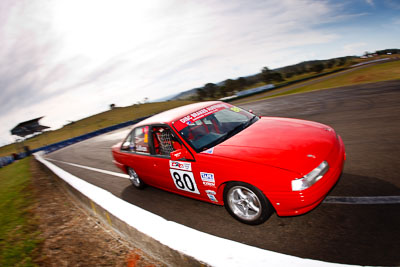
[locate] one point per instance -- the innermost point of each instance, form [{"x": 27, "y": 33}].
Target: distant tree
[
  {"x": 222, "y": 91},
  {"x": 342, "y": 61},
  {"x": 242, "y": 82},
  {"x": 289, "y": 75},
  {"x": 289, "y": 71},
  {"x": 266, "y": 75},
  {"x": 231, "y": 86},
  {"x": 301, "y": 69},
  {"x": 201, "y": 93},
  {"x": 330, "y": 63},
  {"x": 318, "y": 67},
  {"x": 210, "y": 90},
  {"x": 278, "y": 77},
  {"x": 112, "y": 106},
  {"x": 388, "y": 51},
  {"x": 269, "y": 76}
]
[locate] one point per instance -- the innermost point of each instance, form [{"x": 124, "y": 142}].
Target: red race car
[{"x": 222, "y": 154}]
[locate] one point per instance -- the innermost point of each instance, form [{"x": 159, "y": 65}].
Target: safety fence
[
  {"x": 6, "y": 160},
  {"x": 271, "y": 87},
  {"x": 53, "y": 147}
]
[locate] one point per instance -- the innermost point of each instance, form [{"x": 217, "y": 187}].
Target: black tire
[
  {"x": 135, "y": 179},
  {"x": 246, "y": 203}
]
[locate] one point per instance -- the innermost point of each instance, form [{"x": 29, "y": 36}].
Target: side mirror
[
  {"x": 180, "y": 154},
  {"x": 127, "y": 146}
]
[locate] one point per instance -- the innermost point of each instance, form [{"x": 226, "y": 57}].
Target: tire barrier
[
  {"x": 4, "y": 161},
  {"x": 53, "y": 147}
]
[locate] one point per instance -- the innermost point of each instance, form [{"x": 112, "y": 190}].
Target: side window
[
  {"x": 164, "y": 141},
  {"x": 128, "y": 144},
  {"x": 141, "y": 139}
]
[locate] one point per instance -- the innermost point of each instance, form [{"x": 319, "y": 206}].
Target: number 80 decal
[{"x": 184, "y": 181}]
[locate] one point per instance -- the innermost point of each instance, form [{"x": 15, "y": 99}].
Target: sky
[{"x": 69, "y": 59}]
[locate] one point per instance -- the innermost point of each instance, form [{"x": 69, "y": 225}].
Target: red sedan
[{"x": 219, "y": 153}]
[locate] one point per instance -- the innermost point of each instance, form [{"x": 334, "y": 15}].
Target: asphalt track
[{"x": 368, "y": 119}]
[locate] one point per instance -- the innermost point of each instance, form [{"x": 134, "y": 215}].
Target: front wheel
[
  {"x": 135, "y": 179},
  {"x": 246, "y": 203}
]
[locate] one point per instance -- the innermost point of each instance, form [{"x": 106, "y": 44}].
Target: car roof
[{"x": 175, "y": 114}]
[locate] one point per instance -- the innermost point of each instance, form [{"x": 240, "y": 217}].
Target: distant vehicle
[{"x": 222, "y": 154}]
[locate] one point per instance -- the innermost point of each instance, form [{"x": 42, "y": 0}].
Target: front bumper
[{"x": 299, "y": 202}]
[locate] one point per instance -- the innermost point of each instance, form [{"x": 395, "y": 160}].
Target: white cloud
[
  {"x": 370, "y": 2},
  {"x": 67, "y": 59}
]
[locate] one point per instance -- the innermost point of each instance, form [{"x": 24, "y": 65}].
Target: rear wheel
[
  {"x": 246, "y": 203},
  {"x": 135, "y": 179}
]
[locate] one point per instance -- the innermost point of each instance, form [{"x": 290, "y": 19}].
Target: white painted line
[
  {"x": 363, "y": 200},
  {"x": 328, "y": 200},
  {"x": 204, "y": 247},
  {"x": 92, "y": 169}
]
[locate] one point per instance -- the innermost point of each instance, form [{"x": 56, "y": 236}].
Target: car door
[{"x": 172, "y": 175}]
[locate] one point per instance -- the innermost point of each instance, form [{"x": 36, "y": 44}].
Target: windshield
[{"x": 210, "y": 126}]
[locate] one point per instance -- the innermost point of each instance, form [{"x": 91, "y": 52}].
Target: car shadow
[
  {"x": 349, "y": 234},
  {"x": 356, "y": 185}
]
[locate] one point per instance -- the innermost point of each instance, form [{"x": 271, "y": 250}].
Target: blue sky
[{"x": 69, "y": 59}]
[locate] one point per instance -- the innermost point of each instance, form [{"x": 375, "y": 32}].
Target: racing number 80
[{"x": 184, "y": 180}]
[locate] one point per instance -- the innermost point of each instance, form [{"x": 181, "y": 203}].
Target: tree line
[
  {"x": 268, "y": 76},
  {"x": 276, "y": 76}
]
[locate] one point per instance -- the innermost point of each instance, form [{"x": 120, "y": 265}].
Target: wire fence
[{"x": 53, "y": 147}]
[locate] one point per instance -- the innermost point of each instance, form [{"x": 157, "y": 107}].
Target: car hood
[{"x": 289, "y": 144}]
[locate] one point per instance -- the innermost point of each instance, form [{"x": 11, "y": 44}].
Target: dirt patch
[{"x": 73, "y": 237}]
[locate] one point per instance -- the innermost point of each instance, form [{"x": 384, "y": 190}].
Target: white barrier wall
[{"x": 205, "y": 248}]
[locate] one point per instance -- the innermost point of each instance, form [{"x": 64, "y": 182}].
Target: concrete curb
[{"x": 166, "y": 241}]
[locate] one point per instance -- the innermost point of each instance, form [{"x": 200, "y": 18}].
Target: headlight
[{"x": 311, "y": 178}]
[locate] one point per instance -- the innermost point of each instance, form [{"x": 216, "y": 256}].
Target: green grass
[
  {"x": 18, "y": 235},
  {"x": 377, "y": 73},
  {"x": 90, "y": 124},
  {"x": 299, "y": 78}
]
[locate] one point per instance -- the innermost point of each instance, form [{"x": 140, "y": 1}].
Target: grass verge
[
  {"x": 19, "y": 238},
  {"x": 95, "y": 122},
  {"x": 376, "y": 73}
]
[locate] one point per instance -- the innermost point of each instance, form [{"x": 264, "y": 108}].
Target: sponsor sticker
[
  {"x": 208, "y": 151},
  {"x": 208, "y": 179},
  {"x": 235, "y": 109},
  {"x": 145, "y": 130},
  {"x": 185, "y": 166},
  {"x": 211, "y": 195},
  {"x": 197, "y": 115},
  {"x": 209, "y": 184},
  {"x": 141, "y": 148},
  {"x": 177, "y": 155}
]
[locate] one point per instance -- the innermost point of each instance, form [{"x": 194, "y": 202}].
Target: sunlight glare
[{"x": 100, "y": 29}]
